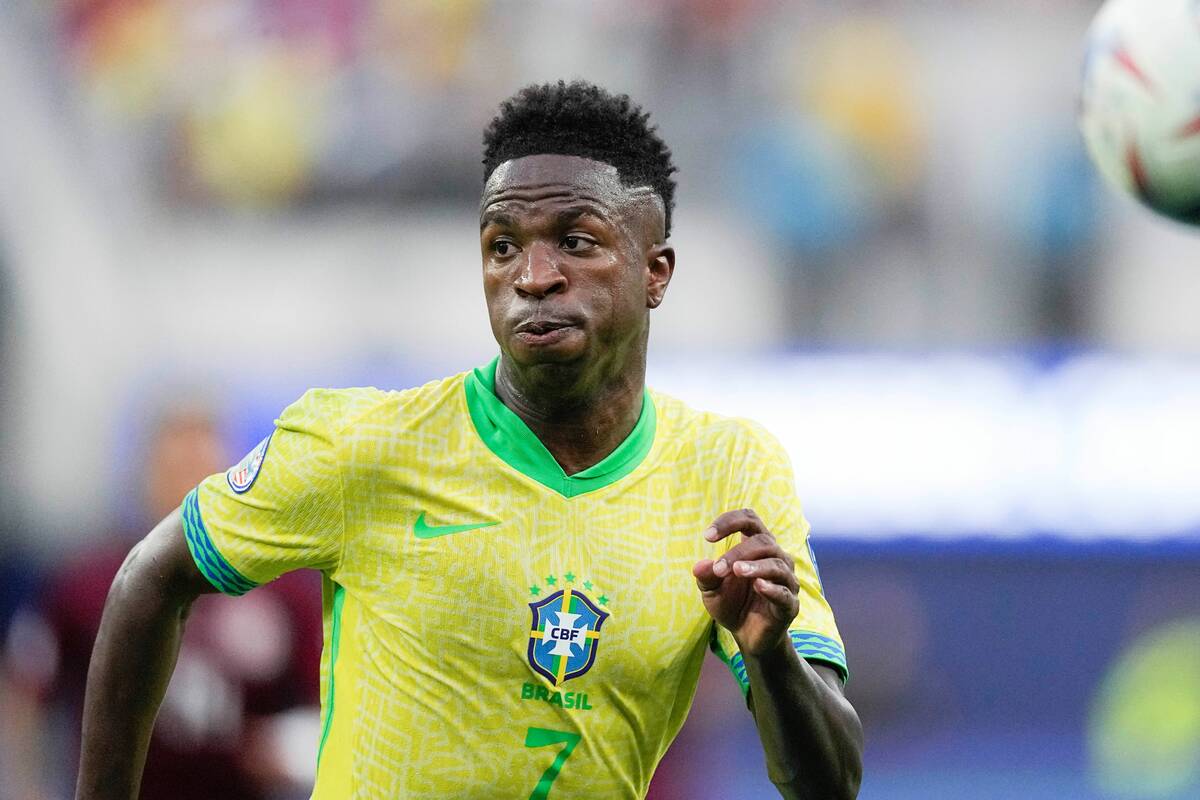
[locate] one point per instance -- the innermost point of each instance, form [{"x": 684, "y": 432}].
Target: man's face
[{"x": 572, "y": 259}]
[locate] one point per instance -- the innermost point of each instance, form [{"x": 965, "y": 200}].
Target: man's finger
[
  {"x": 706, "y": 579},
  {"x": 775, "y": 570},
  {"x": 782, "y": 599},
  {"x": 752, "y": 549},
  {"x": 742, "y": 519}
]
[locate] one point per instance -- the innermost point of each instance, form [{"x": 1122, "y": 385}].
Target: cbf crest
[{"x": 565, "y": 633}]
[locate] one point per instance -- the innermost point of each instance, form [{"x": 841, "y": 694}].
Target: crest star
[
  {"x": 587, "y": 585},
  {"x": 550, "y": 579},
  {"x": 535, "y": 589},
  {"x": 570, "y": 576},
  {"x": 603, "y": 600}
]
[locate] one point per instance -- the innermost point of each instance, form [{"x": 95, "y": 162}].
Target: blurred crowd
[{"x": 911, "y": 170}]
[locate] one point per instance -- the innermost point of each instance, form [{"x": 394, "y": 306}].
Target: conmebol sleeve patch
[{"x": 241, "y": 476}]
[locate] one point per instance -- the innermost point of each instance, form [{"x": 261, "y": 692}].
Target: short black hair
[{"x": 582, "y": 119}]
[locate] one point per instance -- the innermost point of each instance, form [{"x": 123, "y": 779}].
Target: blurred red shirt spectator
[{"x": 241, "y": 715}]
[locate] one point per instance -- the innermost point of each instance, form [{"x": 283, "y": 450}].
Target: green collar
[{"x": 507, "y": 435}]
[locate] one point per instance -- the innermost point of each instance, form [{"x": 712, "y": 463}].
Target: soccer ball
[{"x": 1140, "y": 104}]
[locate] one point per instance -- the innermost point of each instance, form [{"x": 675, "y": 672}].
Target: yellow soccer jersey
[{"x": 495, "y": 628}]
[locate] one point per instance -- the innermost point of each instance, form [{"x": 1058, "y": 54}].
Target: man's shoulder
[
  {"x": 337, "y": 411},
  {"x": 687, "y": 426}
]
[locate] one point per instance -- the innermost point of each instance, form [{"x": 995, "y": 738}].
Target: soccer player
[{"x": 523, "y": 563}]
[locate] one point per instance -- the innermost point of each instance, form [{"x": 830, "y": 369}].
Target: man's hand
[
  {"x": 811, "y": 736},
  {"x": 751, "y": 590}
]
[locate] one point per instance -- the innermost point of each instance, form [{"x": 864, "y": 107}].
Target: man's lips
[
  {"x": 544, "y": 332},
  {"x": 542, "y": 326}
]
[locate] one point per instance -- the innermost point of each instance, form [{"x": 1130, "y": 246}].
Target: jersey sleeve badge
[{"x": 242, "y": 475}]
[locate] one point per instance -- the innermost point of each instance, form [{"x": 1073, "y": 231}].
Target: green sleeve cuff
[
  {"x": 808, "y": 645},
  {"x": 212, "y": 564},
  {"x": 734, "y": 662},
  {"x": 815, "y": 647}
]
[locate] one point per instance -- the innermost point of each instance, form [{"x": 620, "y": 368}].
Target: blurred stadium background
[{"x": 892, "y": 251}]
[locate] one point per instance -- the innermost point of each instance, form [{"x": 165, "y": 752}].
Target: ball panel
[{"x": 1140, "y": 101}]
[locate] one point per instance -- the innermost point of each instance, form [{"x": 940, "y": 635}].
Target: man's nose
[{"x": 541, "y": 275}]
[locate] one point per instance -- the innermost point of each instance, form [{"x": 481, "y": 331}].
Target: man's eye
[
  {"x": 577, "y": 244},
  {"x": 503, "y": 248}
]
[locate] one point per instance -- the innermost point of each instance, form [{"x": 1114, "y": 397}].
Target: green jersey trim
[
  {"x": 808, "y": 645},
  {"x": 738, "y": 669},
  {"x": 507, "y": 435},
  {"x": 219, "y": 572},
  {"x": 335, "y": 636},
  {"x": 816, "y": 647}
]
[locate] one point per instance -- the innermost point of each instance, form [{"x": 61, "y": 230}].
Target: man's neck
[{"x": 580, "y": 421}]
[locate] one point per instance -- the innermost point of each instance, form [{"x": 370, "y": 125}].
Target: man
[{"x": 523, "y": 563}]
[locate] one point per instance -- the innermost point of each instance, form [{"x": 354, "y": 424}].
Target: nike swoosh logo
[{"x": 424, "y": 531}]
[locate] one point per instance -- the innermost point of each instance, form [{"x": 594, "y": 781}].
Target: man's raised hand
[{"x": 750, "y": 590}]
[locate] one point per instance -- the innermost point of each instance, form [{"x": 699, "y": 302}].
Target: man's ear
[{"x": 660, "y": 265}]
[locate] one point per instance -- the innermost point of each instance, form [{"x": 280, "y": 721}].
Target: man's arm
[
  {"x": 134, "y": 657},
  {"x": 811, "y": 734}
]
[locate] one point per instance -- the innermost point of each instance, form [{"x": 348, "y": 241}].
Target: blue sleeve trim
[
  {"x": 808, "y": 645},
  {"x": 816, "y": 647},
  {"x": 220, "y": 573},
  {"x": 738, "y": 667},
  {"x": 735, "y": 664}
]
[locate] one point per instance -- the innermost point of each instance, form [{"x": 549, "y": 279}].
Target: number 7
[{"x": 541, "y": 737}]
